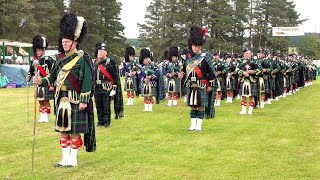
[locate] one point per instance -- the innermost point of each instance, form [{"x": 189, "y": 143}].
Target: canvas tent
[{"x": 16, "y": 74}]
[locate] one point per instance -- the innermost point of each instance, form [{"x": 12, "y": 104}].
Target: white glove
[{"x": 113, "y": 91}]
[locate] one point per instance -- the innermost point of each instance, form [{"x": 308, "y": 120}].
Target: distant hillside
[
  {"x": 296, "y": 39},
  {"x": 134, "y": 42}
]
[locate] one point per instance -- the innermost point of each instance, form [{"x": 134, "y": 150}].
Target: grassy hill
[{"x": 281, "y": 141}]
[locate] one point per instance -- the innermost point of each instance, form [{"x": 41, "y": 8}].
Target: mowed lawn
[{"x": 281, "y": 141}]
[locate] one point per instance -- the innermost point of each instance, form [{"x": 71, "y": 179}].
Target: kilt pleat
[
  {"x": 266, "y": 85},
  {"x": 79, "y": 119},
  {"x": 253, "y": 86},
  {"x": 134, "y": 81},
  {"x": 272, "y": 82},
  {"x": 203, "y": 97},
  {"x": 48, "y": 95},
  {"x": 177, "y": 84}
]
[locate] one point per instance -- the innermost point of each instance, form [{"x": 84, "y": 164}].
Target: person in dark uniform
[
  {"x": 151, "y": 78},
  {"x": 264, "y": 76},
  {"x": 172, "y": 70},
  {"x": 248, "y": 70},
  {"x": 221, "y": 69},
  {"x": 107, "y": 86},
  {"x": 231, "y": 78},
  {"x": 129, "y": 71},
  {"x": 43, "y": 65},
  {"x": 184, "y": 53},
  {"x": 72, "y": 74},
  {"x": 200, "y": 76}
]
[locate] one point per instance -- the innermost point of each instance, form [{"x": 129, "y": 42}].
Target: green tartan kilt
[
  {"x": 153, "y": 88},
  {"x": 297, "y": 76},
  {"x": 309, "y": 75},
  {"x": 134, "y": 81},
  {"x": 233, "y": 84},
  {"x": 266, "y": 85},
  {"x": 272, "y": 83},
  {"x": 177, "y": 85},
  {"x": 221, "y": 82},
  {"x": 253, "y": 87},
  {"x": 48, "y": 95},
  {"x": 203, "y": 97},
  {"x": 79, "y": 119},
  {"x": 292, "y": 79},
  {"x": 287, "y": 81}
]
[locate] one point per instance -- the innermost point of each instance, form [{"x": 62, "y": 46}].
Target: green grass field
[{"x": 281, "y": 141}]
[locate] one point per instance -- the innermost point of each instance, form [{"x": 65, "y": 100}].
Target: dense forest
[{"x": 231, "y": 24}]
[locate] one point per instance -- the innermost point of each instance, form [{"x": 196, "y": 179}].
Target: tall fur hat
[
  {"x": 129, "y": 52},
  {"x": 99, "y": 46},
  {"x": 39, "y": 42},
  {"x": 144, "y": 53},
  {"x": 173, "y": 51},
  {"x": 246, "y": 49},
  {"x": 73, "y": 27},
  {"x": 166, "y": 55},
  {"x": 197, "y": 36},
  {"x": 184, "y": 51}
]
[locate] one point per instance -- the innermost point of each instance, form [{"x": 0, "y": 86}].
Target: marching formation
[{"x": 203, "y": 80}]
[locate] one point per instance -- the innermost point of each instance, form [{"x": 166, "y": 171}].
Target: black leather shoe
[{"x": 58, "y": 165}]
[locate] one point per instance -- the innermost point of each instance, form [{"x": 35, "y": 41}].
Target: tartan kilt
[
  {"x": 153, "y": 89},
  {"x": 293, "y": 79},
  {"x": 287, "y": 81},
  {"x": 233, "y": 84},
  {"x": 253, "y": 87},
  {"x": 203, "y": 97},
  {"x": 221, "y": 82},
  {"x": 272, "y": 82},
  {"x": 310, "y": 75},
  {"x": 266, "y": 85},
  {"x": 297, "y": 76},
  {"x": 48, "y": 95},
  {"x": 79, "y": 119},
  {"x": 177, "y": 85},
  {"x": 134, "y": 81}
]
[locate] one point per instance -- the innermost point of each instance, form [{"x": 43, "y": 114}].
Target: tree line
[
  {"x": 231, "y": 24},
  {"x": 21, "y": 20}
]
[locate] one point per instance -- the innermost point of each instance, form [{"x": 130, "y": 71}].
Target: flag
[{"x": 23, "y": 52}]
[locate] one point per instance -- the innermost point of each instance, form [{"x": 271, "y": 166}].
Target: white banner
[{"x": 287, "y": 31}]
